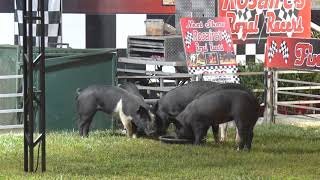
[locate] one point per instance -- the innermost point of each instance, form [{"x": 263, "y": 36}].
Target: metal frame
[
  {"x": 33, "y": 96},
  {"x": 274, "y": 90}
]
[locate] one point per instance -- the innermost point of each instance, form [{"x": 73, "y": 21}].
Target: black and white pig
[
  {"x": 133, "y": 112},
  {"x": 131, "y": 88},
  {"x": 174, "y": 102},
  {"x": 219, "y": 107}
]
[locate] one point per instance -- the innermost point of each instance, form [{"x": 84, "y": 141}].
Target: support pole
[{"x": 33, "y": 93}]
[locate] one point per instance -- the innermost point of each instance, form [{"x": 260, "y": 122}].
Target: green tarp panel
[
  {"x": 8, "y": 66},
  {"x": 67, "y": 70}
]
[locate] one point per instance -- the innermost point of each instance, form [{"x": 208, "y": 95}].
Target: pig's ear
[{"x": 142, "y": 111}]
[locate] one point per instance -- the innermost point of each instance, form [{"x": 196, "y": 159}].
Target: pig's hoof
[{"x": 124, "y": 131}]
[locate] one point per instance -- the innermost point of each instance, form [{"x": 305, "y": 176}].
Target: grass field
[{"x": 279, "y": 152}]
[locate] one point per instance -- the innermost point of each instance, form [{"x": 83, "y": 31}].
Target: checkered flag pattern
[
  {"x": 284, "y": 50},
  {"x": 243, "y": 15},
  {"x": 188, "y": 39},
  {"x": 227, "y": 37},
  {"x": 286, "y": 14},
  {"x": 272, "y": 50},
  {"x": 214, "y": 69},
  {"x": 52, "y": 13}
]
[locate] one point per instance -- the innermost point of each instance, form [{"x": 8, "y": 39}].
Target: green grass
[{"x": 279, "y": 152}]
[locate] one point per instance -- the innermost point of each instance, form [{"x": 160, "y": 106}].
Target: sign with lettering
[
  {"x": 208, "y": 46},
  {"x": 262, "y": 18},
  {"x": 292, "y": 53}
]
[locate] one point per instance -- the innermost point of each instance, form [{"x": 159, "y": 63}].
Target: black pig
[{"x": 218, "y": 107}]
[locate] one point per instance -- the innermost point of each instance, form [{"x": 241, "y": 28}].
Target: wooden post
[
  {"x": 275, "y": 94},
  {"x": 268, "y": 118},
  {"x": 161, "y": 85}
]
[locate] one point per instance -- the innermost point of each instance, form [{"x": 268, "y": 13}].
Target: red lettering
[
  {"x": 316, "y": 59},
  {"x": 301, "y": 53},
  {"x": 310, "y": 61},
  {"x": 274, "y": 4},
  {"x": 229, "y": 5},
  {"x": 242, "y": 4},
  {"x": 287, "y": 4},
  {"x": 253, "y": 4},
  {"x": 263, "y": 4},
  {"x": 300, "y": 4}
]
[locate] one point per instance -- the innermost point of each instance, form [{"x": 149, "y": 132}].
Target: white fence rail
[{"x": 11, "y": 95}]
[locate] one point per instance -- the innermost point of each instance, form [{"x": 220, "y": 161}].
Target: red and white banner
[
  {"x": 292, "y": 53},
  {"x": 208, "y": 46},
  {"x": 262, "y": 18}
]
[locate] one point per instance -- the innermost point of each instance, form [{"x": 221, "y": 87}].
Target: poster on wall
[
  {"x": 260, "y": 19},
  {"x": 209, "y": 48},
  {"x": 293, "y": 53}
]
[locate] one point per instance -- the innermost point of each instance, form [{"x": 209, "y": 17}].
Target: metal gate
[
  {"x": 291, "y": 99},
  {"x": 11, "y": 105}
]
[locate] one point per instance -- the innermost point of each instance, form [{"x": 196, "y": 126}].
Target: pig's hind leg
[
  {"x": 85, "y": 122},
  {"x": 245, "y": 135}
]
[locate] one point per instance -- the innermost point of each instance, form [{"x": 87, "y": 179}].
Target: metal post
[
  {"x": 42, "y": 123},
  {"x": 32, "y": 67},
  {"x": 30, "y": 85},
  {"x": 25, "y": 84}
]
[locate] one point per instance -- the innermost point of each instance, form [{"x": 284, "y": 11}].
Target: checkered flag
[
  {"x": 272, "y": 50},
  {"x": 286, "y": 14},
  {"x": 243, "y": 14},
  {"x": 52, "y": 13},
  {"x": 188, "y": 39},
  {"x": 284, "y": 50},
  {"x": 227, "y": 37}
]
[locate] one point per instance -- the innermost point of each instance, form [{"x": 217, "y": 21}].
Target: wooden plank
[
  {"x": 146, "y": 43},
  {"x": 159, "y": 38},
  {"x": 233, "y": 74},
  {"x": 149, "y": 72},
  {"x": 146, "y": 50},
  {"x": 151, "y": 100},
  {"x": 162, "y": 89},
  {"x": 150, "y": 61},
  {"x": 156, "y": 77}
]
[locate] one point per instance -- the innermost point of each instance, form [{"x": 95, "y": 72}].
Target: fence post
[
  {"x": 268, "y": 118},
  {"x": 275, "y": 94}
]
